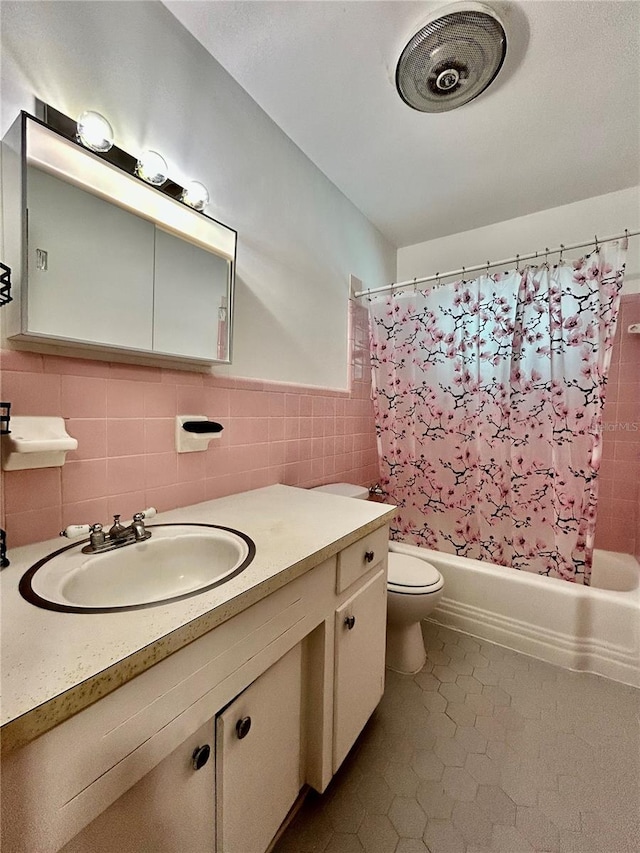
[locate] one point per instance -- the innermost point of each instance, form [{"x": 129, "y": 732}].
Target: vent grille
[{"x": 451, "y": 60}]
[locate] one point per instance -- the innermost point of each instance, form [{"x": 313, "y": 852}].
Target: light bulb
[
  {"x": 95, "y": 132},
  {"x": 196, "y": 195},
  {"x": 152, "y": 168}
]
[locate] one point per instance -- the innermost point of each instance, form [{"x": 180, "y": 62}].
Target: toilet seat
[{"x": 412, "y": 576}]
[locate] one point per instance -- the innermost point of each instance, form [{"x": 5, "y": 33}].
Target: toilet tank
[{"x": 347, "y": 490}]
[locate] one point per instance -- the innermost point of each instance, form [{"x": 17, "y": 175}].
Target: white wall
[
  {"x": 603, "y": 215},
  {"x": 299, "y": 237}
]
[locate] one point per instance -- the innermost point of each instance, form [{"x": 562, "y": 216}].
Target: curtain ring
[
  {"x": 517, "y": 263},
  {"x": 596, "y": 242},
  {"x": 464, "y": 272},
  {"x": 488, "y": 265},
  {"x": 415, "y": 285},
  {"x": 561, "y": 253},
  {"x": 546, "y": 255},
  {"x": 438, "y": 282}
]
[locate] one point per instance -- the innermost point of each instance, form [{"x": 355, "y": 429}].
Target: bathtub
[{"x": 596, "y": 628}]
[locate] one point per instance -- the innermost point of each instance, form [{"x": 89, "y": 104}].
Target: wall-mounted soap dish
[
  {"x": 194, "y": 432},
  {"x": 36, "y": 442}
]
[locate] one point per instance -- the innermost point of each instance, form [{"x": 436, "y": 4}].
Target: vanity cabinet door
[
  {"x": 258, "y": 758},
  {"x": 360, "y": 635},
  {"x": 170, "y": 810},
  {"x": 90, "y": 267}
]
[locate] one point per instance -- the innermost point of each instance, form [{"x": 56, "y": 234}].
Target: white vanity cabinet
[{"x": 119, "y": 774}]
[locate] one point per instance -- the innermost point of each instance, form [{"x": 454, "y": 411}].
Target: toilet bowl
[{"x": 414, "y": 588}]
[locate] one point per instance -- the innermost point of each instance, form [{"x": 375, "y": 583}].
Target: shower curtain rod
[{"x": 439, "y": 275}]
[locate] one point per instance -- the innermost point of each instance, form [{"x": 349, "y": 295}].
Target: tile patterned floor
[{"x": 484, "y": 750}]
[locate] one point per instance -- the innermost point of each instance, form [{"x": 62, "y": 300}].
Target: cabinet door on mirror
[
  {"x": 190, "y": 300},
  {"x": 90, "y": 266},
  {"x": 170, "y": 810}
]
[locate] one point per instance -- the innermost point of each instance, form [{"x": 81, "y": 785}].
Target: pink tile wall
[
  {"x": 123, "y": 418},
  {"x": 618, "y": 525}
]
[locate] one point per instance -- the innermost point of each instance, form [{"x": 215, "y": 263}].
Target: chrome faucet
[{"x": 117, "y": 536}]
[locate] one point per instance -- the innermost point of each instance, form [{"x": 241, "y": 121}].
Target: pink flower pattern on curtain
[{"x": 488, "y": 397}]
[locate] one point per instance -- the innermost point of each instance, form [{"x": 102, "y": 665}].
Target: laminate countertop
[{"x": 55, "y": 664}]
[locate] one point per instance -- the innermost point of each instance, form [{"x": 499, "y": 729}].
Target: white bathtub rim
[{"x": 516, "y": 576}]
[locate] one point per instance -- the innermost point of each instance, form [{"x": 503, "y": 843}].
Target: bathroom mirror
[{"x": 110, "y": 262}]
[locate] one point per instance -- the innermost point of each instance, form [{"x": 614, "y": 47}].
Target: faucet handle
[
  {"x": 75, "y": 530},
  {"x": 146, "y": 513}
]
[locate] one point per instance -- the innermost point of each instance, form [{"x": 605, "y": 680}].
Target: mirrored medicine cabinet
[{"x": 108, "y": 262}]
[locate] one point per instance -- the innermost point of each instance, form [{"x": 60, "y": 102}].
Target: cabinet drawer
[{"x": 358, "y": 558}]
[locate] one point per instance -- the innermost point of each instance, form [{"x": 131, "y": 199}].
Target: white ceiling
[{"x": 560, "y": 123}]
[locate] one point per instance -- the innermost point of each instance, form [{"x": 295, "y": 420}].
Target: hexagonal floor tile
[
  {"x": 472, "y": 823},
  {"x": 450, "y": 752},
  {"x": 434, "y": 801},
  {"x": 427, "y": 765},
  {"x": 497, "y": 806},
  {"x": 471, "y": 739},
  {"x": 407, "y": 817},
  {"x": 377, "y": 834},
  {"x": 461, "y": 714},
  {"x": 441, "y": 836},
  {"x": 459, "y": 784},
  {"x": 374, "y": 794}
]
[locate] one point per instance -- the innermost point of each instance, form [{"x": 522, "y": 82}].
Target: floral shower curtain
[{"x": 488, "y": 397}]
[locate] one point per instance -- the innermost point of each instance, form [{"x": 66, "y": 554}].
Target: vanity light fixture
[
  {"x": 95, "y": 132},
  {"x": 152, "y": 168},
  {"x": 196, "y": 195}
]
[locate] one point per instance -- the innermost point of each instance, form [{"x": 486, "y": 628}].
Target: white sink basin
[{"x": 177, "y": 561}]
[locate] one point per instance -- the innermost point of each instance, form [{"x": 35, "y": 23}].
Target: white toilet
[{"x": 414, "y": 588}]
